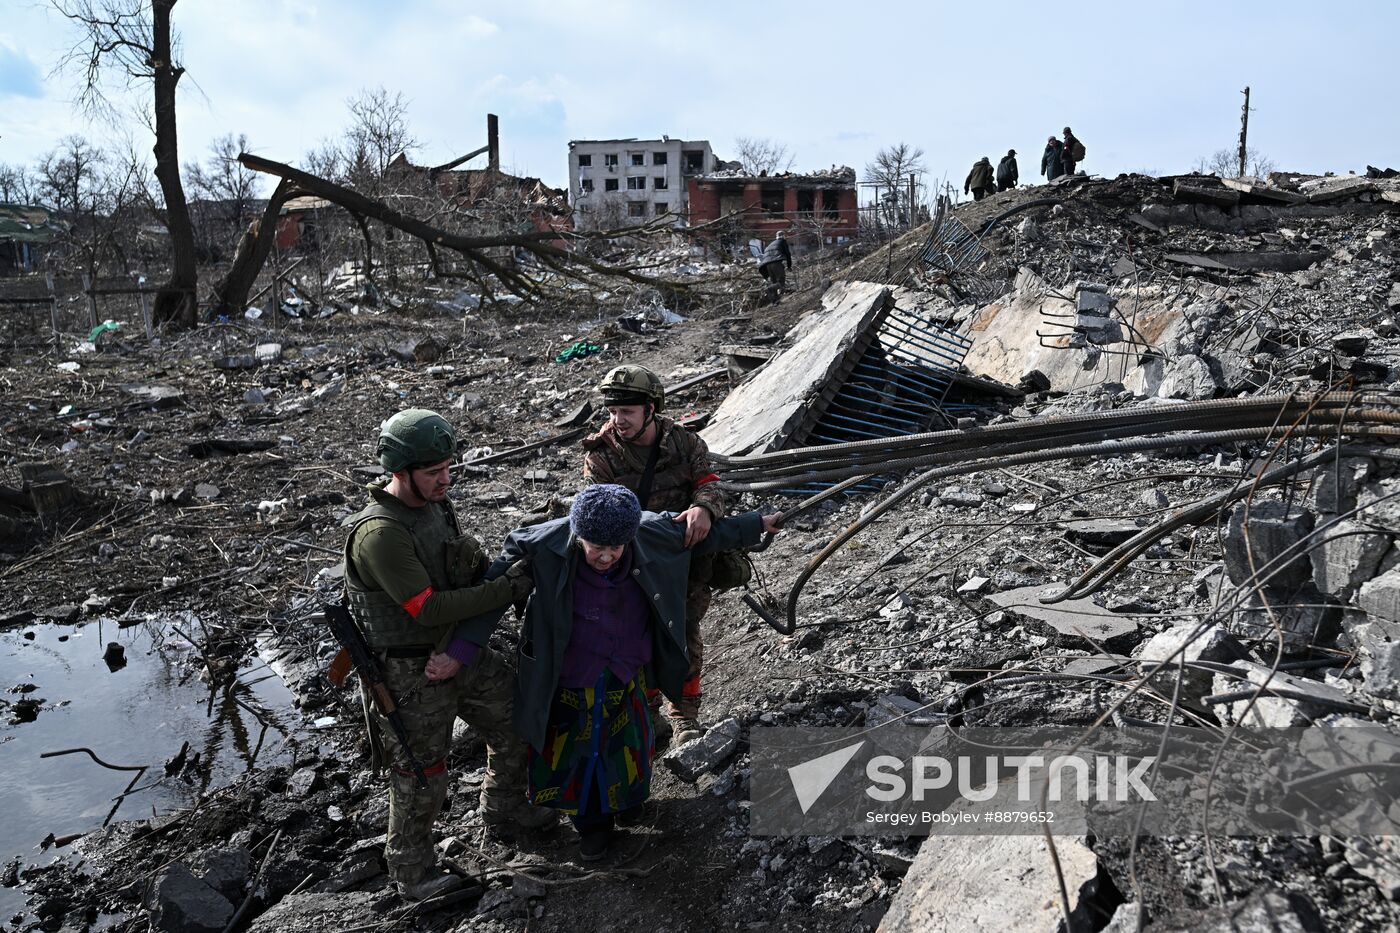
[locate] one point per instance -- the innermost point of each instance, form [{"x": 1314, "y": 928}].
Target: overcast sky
[{"x": 1145, "y": 86}]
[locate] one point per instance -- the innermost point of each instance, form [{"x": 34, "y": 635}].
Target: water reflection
[{"x": 152, "y": 713}]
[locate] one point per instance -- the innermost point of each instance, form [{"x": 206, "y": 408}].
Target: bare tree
[
  {"x": 229, "y": 189},
  {"x": 761, "y": 156},
  {"x": 1226, "y": 163},
  {"x": 131, "y": 41},
  {"x": 95, "y": 196},
  {"x": 378, "y": 132},
  {"x": 890, "y": 170},
  {"x": 18, "y": 184}
]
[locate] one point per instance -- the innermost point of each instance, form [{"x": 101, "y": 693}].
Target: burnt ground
[{"x": 224, "y": 497}]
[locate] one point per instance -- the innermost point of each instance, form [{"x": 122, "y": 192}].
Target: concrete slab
[
  {"x": 990, "y": 884},
  {"x": 1253, "y": 188},
  {"x": 1006, "y": 345},
  {"x": 1072, "y": 622},
  {"x": 786, "y": 395}
]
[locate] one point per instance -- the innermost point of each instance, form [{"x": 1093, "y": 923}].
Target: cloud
[{"x": 19, "y": 77}]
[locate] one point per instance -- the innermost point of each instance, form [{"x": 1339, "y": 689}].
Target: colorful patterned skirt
[{"x": 598, "y": 749}]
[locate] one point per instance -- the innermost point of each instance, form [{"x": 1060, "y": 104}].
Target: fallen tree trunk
[
  {"x": 231, "y": 295},
  {"x": 475, "y": 248}
]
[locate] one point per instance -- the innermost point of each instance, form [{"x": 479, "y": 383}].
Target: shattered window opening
[
  {"x": 831, "y": 204},
  {"x": 636, "y": 209},
  {"x": 610, "y": 184},
  {"x": 639, "y": 158},
  {"x": 771, "y": 199},
  {"x": 610, "y": 159},
  {"x": 585, "y": 161},
  {"x": 806, "y": 201},
  {"x": 658, "y": 158},
  {"x": 662, "y": 207},
  {"x": 585, "y": 185},
  {"x": 694, "y": 161},
  {"x": 637, "y": 183},
  {"x": 659, "y": 183}
]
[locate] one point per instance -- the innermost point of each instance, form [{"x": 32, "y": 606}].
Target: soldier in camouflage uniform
[
  {"x": 410, "y": 577},
  {"x": 683, "y": 481}
]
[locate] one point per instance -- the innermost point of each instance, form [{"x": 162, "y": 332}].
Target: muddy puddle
[{"x": 146, "y": 709}]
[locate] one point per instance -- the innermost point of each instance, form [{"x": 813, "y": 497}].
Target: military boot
[
  {"x": 685, "y": 720},
  {"x": 435, "y": 884},
  {"x": 504, "y": 807}
]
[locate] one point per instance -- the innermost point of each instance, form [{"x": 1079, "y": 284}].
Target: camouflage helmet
[
  {"x": 415, "y": 437},
  {"x": 632, "y": 385}
]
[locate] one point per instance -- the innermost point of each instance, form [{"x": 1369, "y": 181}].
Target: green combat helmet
[
  {"x": 415, "y": 437},
  {"x": 632, "y": 385}
]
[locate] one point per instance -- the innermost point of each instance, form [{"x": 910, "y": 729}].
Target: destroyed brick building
[
  {"x": 626, "y": 182},
  {"x": 817, "y": 206}
]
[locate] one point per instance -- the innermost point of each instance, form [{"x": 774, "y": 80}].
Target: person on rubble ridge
[
  {"x": 603, "y": 627},
  {"x": 980, "y": 180},
  {"x": 411, "y": 576},
  {"x": 1007, "y": 172},
  {"x": 668, "y": 468},
  {"x": 1071, "y": 152},
  {"x": 770, "y": 265},
  {"x": 1052, "y": 162}
]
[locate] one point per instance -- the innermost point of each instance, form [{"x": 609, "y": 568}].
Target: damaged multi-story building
[{"x": 624, "y": 182}]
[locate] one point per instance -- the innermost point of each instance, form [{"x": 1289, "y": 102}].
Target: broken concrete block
[
  {"x": 1348, "y": 556},
  {"x": 1352, "y": 344},
  {"x": 1188, "y": 377},
  {"x": 181, "y": 903},
  {"x": 1379, "y": 505},
  {"x": 960, "y": 498},
  {"x": 322, "y": 913},
  {"x": 1093, "y": 303},
  {"x": 1378, "y": 642},
  {"x": 992, "y": 884},
  {"x": 1101, "y": 532},
  {"x": 1034, "y": 381},
  {"x": 1302, "y": 618},
  {"x": 1184, "y": 644},
  {"x": 706, "y": 753},
  {"x": 1338, "y": 483},
  {"x": 892, "y": 707},
  {"x": 1069, "y": 623},
  {"x": 1380, "y": 597},
  {"x": 1286, "y": 701},
  {"x": 1098, "y": 329},
  {"x": 1257, "y": 538}
]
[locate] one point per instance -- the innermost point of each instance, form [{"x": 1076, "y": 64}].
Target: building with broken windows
[
  {"x": 624, "y": 182},
  {"x": 818, "y": 207}
]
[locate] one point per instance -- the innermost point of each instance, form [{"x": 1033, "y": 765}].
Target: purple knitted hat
[{"x": 605, "y": 514}]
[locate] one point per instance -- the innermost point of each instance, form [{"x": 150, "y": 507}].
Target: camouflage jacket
[{"x": 684, "y": 475}]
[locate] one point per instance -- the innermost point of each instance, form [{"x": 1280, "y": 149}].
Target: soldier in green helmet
[
  {"x": 668, "y": 468},
  {"x": 411, "y": 576}
]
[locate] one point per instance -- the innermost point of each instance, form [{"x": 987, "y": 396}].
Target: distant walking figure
[
  {"x": 1007, "y": 172},
  {"x": 1051, "y": 164},
  {"x": 979, "y": 180}
]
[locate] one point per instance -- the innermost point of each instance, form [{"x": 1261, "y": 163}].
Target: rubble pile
[{"x": 209, "y": 472}]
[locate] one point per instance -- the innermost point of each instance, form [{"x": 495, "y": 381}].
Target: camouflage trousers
[
  {"x": 697, "y": 603},
  {"x": 483, "y": 696}
]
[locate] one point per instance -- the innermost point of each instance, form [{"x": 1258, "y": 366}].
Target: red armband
[
  {"x": 707, "y": 479},
  {"x": 414, "y": 605}
]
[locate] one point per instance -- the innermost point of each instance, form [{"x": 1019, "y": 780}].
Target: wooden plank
[{"x": 764, "y": 412}]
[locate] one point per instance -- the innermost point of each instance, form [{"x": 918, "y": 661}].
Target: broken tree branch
[{"x": 540, "y": 244}]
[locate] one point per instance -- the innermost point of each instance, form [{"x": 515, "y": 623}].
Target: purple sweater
[{"x": 610, "y": 627}]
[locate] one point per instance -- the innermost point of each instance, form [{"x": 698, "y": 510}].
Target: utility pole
[{"x": 1244, "y": 132}]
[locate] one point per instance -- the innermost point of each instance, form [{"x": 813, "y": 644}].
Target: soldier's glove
[
  {"x": 522, "y": 583},
  {"x": 466, "y": 562}
]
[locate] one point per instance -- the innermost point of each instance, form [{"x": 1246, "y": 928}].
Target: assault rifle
[{"x": 361, "y": 657}]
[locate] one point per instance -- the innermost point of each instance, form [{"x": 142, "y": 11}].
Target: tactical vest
[
  {"x": 385, "y": 623},
  {"x": 672, "y": 484}
]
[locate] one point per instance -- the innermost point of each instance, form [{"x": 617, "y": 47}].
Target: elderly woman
[{"x": 605, "y": 623}]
